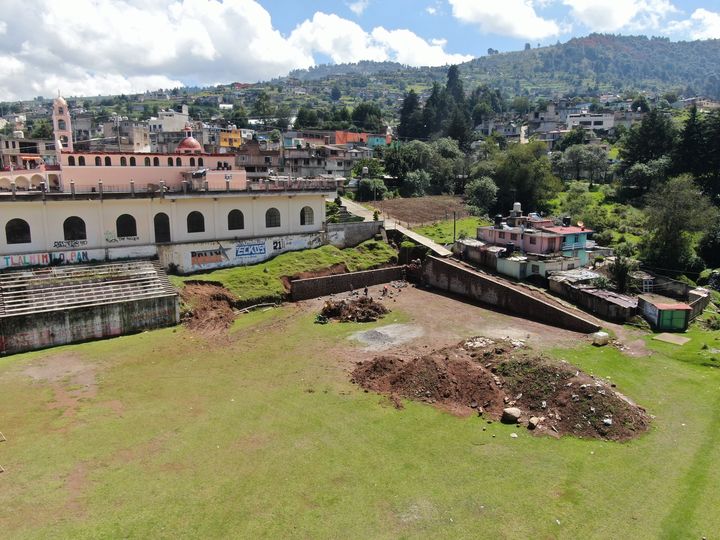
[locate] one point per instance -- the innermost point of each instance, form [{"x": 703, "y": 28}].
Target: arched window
[
  {"x": 307, "y": 216},
  {"x": 170, "y": 162},
  {"x": 200, "y": 162},
  {"x": 81, "y": 161},
  {"x": 162, "y": 228},
  {"x": 147, "y": 161},
  {"x": 192, "y": 161},
  {"x": 71, "y": 160},
  {"x": 98, "y": 161},
  {"x": 272, "y": 218},
  {"x": 123, "y": 161},
  {"x": 195, "y": 222},
  {"x": 108, "y": 161},
  {"x": 17, "y": 231},
  {"x": 125, "y": 225},
  {"x": 236, "y": 220},
  {"x": 132, "y": 161},
  {"x": 178, "y": 162},
  {"x": 61, "y": 124},
  {"x": 74, "y": 229},
  {"x": 156, "y": 161}
]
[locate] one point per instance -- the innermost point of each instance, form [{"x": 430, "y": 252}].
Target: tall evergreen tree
[
  {"x": 689, "y": 155},
  {"x": 454, "y": 86},
  {"x": 411, "y": 119},
  {"x": 652, "y": 139}
]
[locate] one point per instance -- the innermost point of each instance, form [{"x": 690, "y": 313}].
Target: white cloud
[
  {"x": 633, "y": 15},
  {"x": 90, "y": 47},
  {"x": 702, "y": 24},
  {"x": 431, "y": 10},
  {"x": 515, "y": 18},
  {"x": 359, "y": 6},
  {"x": 345, "y": 41}
]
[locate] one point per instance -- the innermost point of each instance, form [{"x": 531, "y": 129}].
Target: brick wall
[{"x": 303, "y": 289}]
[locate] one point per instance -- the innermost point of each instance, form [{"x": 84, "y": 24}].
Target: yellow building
[{"x": 231, "y": 138}]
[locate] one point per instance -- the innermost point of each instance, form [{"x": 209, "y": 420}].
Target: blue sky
[{"x": 92, "y": 47}]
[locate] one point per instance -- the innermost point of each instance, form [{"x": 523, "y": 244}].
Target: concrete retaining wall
[
  {"x": 342, "y": 235},
  {"x": 448, "y": 276},
  {"x": 303, "y": 289},
  {"x": 39, "y": 330}
]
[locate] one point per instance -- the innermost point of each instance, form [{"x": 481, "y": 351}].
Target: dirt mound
[
  {"x": 488, "y": 376},
  {"x": 360, "y": 309},
  {"x": 338, "y": 268},
  {"x": 209, "y": 308}
]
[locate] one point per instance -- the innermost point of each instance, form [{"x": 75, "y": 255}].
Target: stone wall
[
  {"x": 351, "y": 234},
  {"x": 303, "y": 289},
  {"x": 47, "y": 329},
  {"x": 452, "y": 277}
]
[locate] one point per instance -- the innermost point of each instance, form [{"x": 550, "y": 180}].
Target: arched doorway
[{"x": 162, "y": 228}]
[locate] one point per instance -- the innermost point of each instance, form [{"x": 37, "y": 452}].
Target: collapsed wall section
[{"x": 304, "y": 289}]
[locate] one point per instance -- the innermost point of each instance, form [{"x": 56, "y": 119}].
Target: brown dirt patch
[
  {"x": 210, "y": 308},
  {"x": 76, "y": 483},
  {"x": 485, "y": 376},
  {"x": 423, "y": 210},
  {"x": 358, "y": 309}
]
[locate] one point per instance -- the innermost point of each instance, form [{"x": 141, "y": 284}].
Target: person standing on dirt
[{"x": 366, "y": 290}]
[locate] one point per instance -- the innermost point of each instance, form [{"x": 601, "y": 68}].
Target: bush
[
  {"x": 604, "y": 238},
  {"x": 371, "y": 189}
]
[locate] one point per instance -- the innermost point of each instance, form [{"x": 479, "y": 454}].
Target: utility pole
[{"x": 454, "y": 225}]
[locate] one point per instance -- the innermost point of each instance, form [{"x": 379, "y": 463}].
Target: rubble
[{"x": 359, "y": 309}]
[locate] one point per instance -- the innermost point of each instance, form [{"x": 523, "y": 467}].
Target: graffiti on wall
[
  {"x": 59, "y": 244},
  {"x": 70, "y": 257},
  {"x": 208, "y": 256},
  {"x": 32, "y": 259},
  {"x": 250, "y": 250},
  {"x": 110, "y": 238}
]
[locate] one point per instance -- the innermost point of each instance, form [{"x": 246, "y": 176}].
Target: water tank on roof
[
  {"x": 567, "y": 220},
  {"x": 517, "y": 208},
  {"x": 498, "y": 221}
]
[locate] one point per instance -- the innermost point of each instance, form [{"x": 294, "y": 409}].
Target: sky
[{"x": 100, "y": 47}]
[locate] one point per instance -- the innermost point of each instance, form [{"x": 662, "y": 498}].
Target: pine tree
[{"x": 691, "y": 146}]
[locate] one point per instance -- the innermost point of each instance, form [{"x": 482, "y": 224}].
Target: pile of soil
[
  {"x": 359, "y": 309},
  {"x": 209, "y": 308},
  {"x": 489, "y": 376}
]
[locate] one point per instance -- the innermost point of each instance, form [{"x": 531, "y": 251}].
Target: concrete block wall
[
  {"x": 448, "y": 276},
  {"x": 304, "y": 289},
  {"x": 342, "y": 235},
  {"x": 40, "y": 330}
]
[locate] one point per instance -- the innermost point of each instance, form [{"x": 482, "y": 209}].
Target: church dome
[{"x": 189, "y": 144}]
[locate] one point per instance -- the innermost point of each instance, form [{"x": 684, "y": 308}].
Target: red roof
[
  {"x": 189, "y": 143},
  {"x": 567, "y": 230}
]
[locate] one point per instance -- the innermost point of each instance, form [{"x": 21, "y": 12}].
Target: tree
[
  {"x": 640, "y": 103},
  {"x": 335, "y": 93},
  {"x": 675, "y": 211},
  {"x": 576, "y": 136},
  {"x": 523, "y": 174},
  {"x": 416, "y": 184},
  {"x": 709, "y": 246},
  {"x": 306, "y": 118},
  {"x": 459, "y": 129},
  {"x": 573, "y": 161},
  {"x": 238, "y": 116},
  {"x": 652, "y": 139},
  {"x": 263, "y": 107},
  {"x": 520, "y": 104},
  {"x": 374, "y": 166},
  {"x": 621, "y": 270},
  {"x": 643, "y": 177},
  {"x": 454, "y": 86},
  {"x": 368, "y": 117},
  {"x": 371, "y": 189},
  {"x": 41, "y": 130},
  {"x": 411, "y": 121},
  {"x": 481, "y": 195},
  {"x": 577, "y": 200},
  {"x": 689, "y": 154}
]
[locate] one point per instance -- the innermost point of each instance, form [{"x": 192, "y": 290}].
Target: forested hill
[{"x": 596, "y": 63}]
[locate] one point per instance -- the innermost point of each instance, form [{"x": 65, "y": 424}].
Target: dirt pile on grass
[
  {"x": 360, "y": 309},
  {"x": 486, "y": 376},
  {"x": 208, "y": 307}
]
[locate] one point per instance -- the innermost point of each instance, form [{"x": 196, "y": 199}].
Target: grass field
[
  {"x": 442, "y": 231},
  {"x": 164, "y": 435},
  {"x": 262, "y": 281}
]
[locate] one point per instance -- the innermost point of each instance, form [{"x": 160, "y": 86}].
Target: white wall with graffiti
[{"x": 188, "y": 258}]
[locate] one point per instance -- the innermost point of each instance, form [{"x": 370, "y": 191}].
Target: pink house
[{"x": 527, "y": 240}]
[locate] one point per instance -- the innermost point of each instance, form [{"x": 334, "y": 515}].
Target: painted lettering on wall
[
  {"x": 278, "y": 245},
  {"x": 33, "y": 259},
  {"x": 59, "y": 244},
  {"x": 208, "y": 256},
  {"x": 250, "y": 250},
  {"x": 69, "y": 257},
  {"x": 110, "y": 238}
]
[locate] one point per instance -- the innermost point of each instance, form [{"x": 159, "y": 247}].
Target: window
[
  {"x": 236, "y": 220},
  {"x": 17, "y": 231},
  {"x": 501, "y": 235},
  {"x": 108, "y": 161},
  {"x": 170, "y": 162},
  {"x": 125, "y": 225},
  {"x": 577, "y": 238},
  {"x": 571, "y": 266},
  {"x": 71, "y": 161},
  {"x": 533, "y": 240},
  {"x": 200, "y": 162},
  {"x": 268, "y": 159},
  {"x": 513, "y": 236},
  {"x": 61, "y": 124},
  {"x": 61, "y": 110},
  {"x": 178, "y": 162},
  {"x": 81, "y": 161},
  {"x": 192, "y": 161},
  {"x": 74, "y": 229},
  {"x": 156, "y": 161},
  {"x": 162, "y": 228},
  {"x": 535, "y": 268},
  {"x": 307, "y": 216},
  {"x": 132, "y": 162},
  {"x": 272, "y": 218},
  {"x": 147, "y": 161},
  {"x": 98, "y": 162},
  {"x": 123, "y": 161},
  {"x": 195, "y": 222}
]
